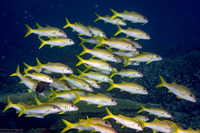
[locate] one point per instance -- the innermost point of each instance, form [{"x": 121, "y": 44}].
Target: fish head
[
  {"x": 106, "y": 123},
  {"x": 143, "y": 19},
  {"x": 136, "y": 126},
  {"x": 89, "y": 33},
  {"x": 67, "y": 70},
  {"x": 60, "y": 33},
  {"x": 191, "y": 97},
  {"x": 157, "y": 57},
  {"x": 89, "y": 88},
  {"x": 69, "y": 41},
  {"x": 144, "y": 90},
  {"x": 146, "y": 36},
  {"x": 166, "y": 114},
  {"x": 112, "y": 101},
  {"x": 71, "y": 107},
  {"x": 48, "y": 80},
  {"x": 139, "y": 74}
]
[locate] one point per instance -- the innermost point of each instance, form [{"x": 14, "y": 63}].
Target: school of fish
[{"x": 69, "y": 89}]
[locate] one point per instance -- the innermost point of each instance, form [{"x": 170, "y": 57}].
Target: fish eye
[
  {"x": 72, "y": 105},
  {"x": 147, "y": 35},
  {"x": 144, "y": 18},
  {"x": 112, "y": 100},
  {"x": 138, "y": 125},
  {"x": 191, "y": 95},
  {"x": 144, "y": 89},
  {"x": 54, "y": 107},
  {"x": 90, "y": 32},
  {"x": 157, "y": 56},
  {"x": 109, "y": 65},
  {"x": 70, "y": 40},
  {"x": 50, "y": 79},
  {"x": 106, "y": 122},
  {"x": 60, "y": 31}
]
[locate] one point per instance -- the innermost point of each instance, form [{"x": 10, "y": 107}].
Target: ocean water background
[{"x": 173, "y": 26}]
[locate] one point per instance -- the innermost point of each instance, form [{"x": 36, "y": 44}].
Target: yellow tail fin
[
  {"x": 163, "y": 83},
  {"x": 114, "y": 12},
  {"x": 109, "y": 114},
  {"x": 53, "y": 94},
  {"x": 28, "y": 67},
  {"x": 119, "y": 30},
  {"x": 98, "y": 17},
  {"x": 9, "y": 104},
  {"x": 30, "y": 30},
  {"x": 81, "y": 60},
  {"x": 78, "y": 98},
  {"x": 100, "y": 42},
  {"x": 68, "y": 124},
  {"x": 17, "y": 72},
  {"x": 37, "y": 101},
  {"x": 85, "y": 50},
  {"x": 82, "y": 40},
  {"x": 68, "y": 23},
  {"x": 81, "y": 73},
  {"x": 42, "y": 41},
  {"x": 143, "y": 108},
  {"x": 39, "y": 64},
  {"x": 112, "y": 85}
]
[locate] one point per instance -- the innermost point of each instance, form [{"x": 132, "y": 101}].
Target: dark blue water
[{"x": 173, "y": 27}]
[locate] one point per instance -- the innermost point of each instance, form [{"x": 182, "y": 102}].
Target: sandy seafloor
[{"x": 173, "y": 27}]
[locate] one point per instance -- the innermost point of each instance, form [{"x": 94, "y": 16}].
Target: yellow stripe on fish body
[
  {"x": 107, "y": 19},
  {"x": 179, "y": 90},
  {"x": 126, "y": 121},
  {"x": 99, "y": 53},
  {"x": 68, "y": 94},
  {"x": 83, "y": 30},
  {"x": 117, "y": 43},
  {"x": 54, "y": 67},
  {"x": 156, "y": 111},
  {"x": 61, "y": 42},
  {"x": 77, "y": 82},
  {"x": 130, "y": 87},
  {"x": 144, "y": 57},
  {"x": 132, "y": 16},
  {"x": 96, "y": 31},
  {"x": 136, "y": 44},
  {"x": 96, "y": 76},
  {"x": 161, "y": 126},
  {"x": 136, "y": 33},
  {"x": 95, "y": 63},
  {"x": 46, "y": 31},
  {"x": 92, "y": 40},
  {"x": 92, "y": 82},
  {"x": 128, "y": 73},
  {"x": 99, "y": 99},
  {"x": 99, "y": 127}
]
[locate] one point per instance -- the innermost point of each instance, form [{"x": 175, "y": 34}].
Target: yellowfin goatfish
[
  {"x": 179, "y": 90},
  {"x": 61, "y": 42},
  {"x": 99, "y": 99},
  {"x": 96, "y": 76},
  {"x": 144, "y": 57},
  {"x": 77, "y": 82},
  {"x": 107, "y": 19},
  {"x": 54, "y": 67},
  {"x": 39, "y": 76},
  {"x": 156, "y": 111},
  {"x": 117, "y": 43},
  {"x": 136, "y": 33},
  {"x": 29, "y": 68},
  {"x": 30, "y": 83},
  {"x": 39, "y": 109},
  {"x": 99, "y": 127},
  {"x": 126, "y": 53},
  {"x": 99, "y": 53},
  {"x": 60, "y": 85},
  {"x": 18, "y": 108},
  {"x": 46, "y": 31},
  {"x": 95, "y": 63},
  {"x": 131, "y": 73},
  {"x": 130, "y": 87},
  {"x": 83, "y": 30},
  {"x": 96, "y": 31},
  {"x": 125, "y": 121},
  {"x": 68, "y": 94},
  {"x": 64, "y": 106},
  {"x": 157, "y": 125},
  {"x": 132, "y": 16},
  {"x": 82, "y": 122}
]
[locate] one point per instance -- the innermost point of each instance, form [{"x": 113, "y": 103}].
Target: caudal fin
[
  {"x": 30, "y": 30},
  {"x": 42, "y": 41},
  {"x": 9, "y": 104},
  {"x": 81, "y": 61},
  {"x": 109, "y": 114},
  {"x": 143, "y": 108},
  {"x": 68, "y": 23},
  {"x": 163, "y": 83},
  {"x": 68, "y": 124},
  {"x": 17, "y": 72},
  {"x": 39, "y": 64},
  {"x": 98, "y": 17},
  {"x": 53, "y": 94},
  {"x": 112, "y": 85},
  {"x": 119, "y": 30},
  {"x": 85, "y": 50},
  {"x": 115, "y": 13}
]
